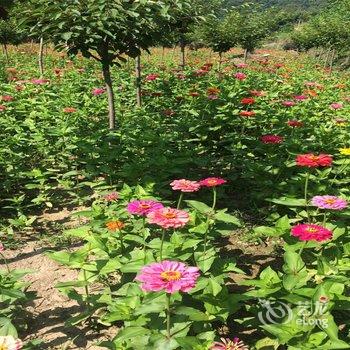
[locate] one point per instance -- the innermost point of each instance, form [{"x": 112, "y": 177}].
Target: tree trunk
[
  {"x": 138, "y": 81},
  {"x": 246, "y": 55},
  {"x": 332, "y": 61},
  {"x": 182, "y": 56},
  {"x": 41, "y": 58},
  {"x": 4, "y": 48},
  {"x": 220, "y": 61},
  {"x": 110, "y": 94}
]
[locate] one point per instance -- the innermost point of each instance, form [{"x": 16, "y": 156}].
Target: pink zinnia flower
[
  {"x": 311, "y": 232},
  {"x": 2, "y": 108},
  {"x": 39, "y": 81},
  {"x": 288, "y": 103},
  {"x": 168, "y": 276},
  {"x": 151, "y": 77},
  {"x": 311, "y": 160},
  {"x": 228, "y": 344},
  {"x": 7, "y": 98},
  {"x": 241, "y": 65},
  {"x": 201, "y": 72},
  {"x": 336, "y": 106},
  {"x": 240, "y": 76},
  {"x": 212, "y": 181},
  {"x": 2, "y": 248},
  {"x": 111, "y": 197},
  {"x": 143, "y": 207},
  {"x": 184, "y": 185},
  {"x": 213, "y": 97},
  {"x": 271, "y": 139},
  {"x": 168, "y": 217},
  {"x": 8, "y": 342},
  {"x": 300, "y": 97},
  {"x": 295, "y": 123},
  {"x": 98, "y": 91},
  {"x": 329, "y": 202}
]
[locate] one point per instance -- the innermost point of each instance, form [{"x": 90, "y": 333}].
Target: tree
[{"x": 105, "y": 30}]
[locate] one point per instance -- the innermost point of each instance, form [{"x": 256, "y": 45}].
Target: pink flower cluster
[
  {"x": 184, "y": 185},
  {"x": 143, "y": 207},
  {"x": 240, "y": 76},
  {"x": 311, "y": 232},
  {"x": 329, "y": 202},
  {"x": 111, "y": 197},
  {"x": 168, "y": 276},
  {"x": 168, "y": 217},
  {"x": 228, "y": 344}
]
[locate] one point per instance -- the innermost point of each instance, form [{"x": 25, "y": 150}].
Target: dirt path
[{"x": 49, "y": 311}]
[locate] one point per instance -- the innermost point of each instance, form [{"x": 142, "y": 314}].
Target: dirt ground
[{"x": 49, "y": 311}]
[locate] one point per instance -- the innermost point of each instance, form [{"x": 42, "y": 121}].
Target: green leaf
[{"x": 224, "y": 217}]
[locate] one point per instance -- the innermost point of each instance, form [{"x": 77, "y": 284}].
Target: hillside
[{"x": 304, "y": 4}]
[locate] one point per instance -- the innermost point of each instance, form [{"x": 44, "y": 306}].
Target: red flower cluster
[
  {"x": 295, "y": 123},
  {"x": 311, "y": 232},
  {"x": 311, "y": 160},
  {"x": 248, "y": 101},
  {"x": 247, "y": 114},
  {"x": 271, "y": 139}
]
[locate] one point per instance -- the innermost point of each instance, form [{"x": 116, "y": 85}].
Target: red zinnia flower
[
  {"x": 295, "y": 123},
  {"x": 311, "y": 160},
  {"x": 248, "y": 101},
  {"x": 271, "y": 139},
  {"x": 247, "y": 113},
  {"x": 212, "y": 182},
  {"x": 69, "y": 110}
]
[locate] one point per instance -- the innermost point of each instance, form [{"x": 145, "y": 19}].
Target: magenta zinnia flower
[
  {"x": 98, "y": 91},
  {"x": 212, "y": 181},
  {"x": 10, "y": 343},
  {"x": 184, "y": 185},
  {"x": 143, "y": 207},
  {"x": 240, "y": 76},
  {"x": 336, "y": 105},
  {"x": 228, "y": 344},
  {"x": 288, "y": 103},
  {"x": 7, "y": 98},
  {"x": 311, "y": 232},
  {"x": 168, "y": 276},
  {"x": 329, "y": 202},
  {"x": 168, "y": 217}
]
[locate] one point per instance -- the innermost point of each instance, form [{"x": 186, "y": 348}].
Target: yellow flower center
[
  {"x": 3, "y": 347},
  {"x": 170, "y": 215},
  {"x": 169, "y": 276},
  {"x": 212, "y": 182},
  {"x": 330, "y": 201},
  {"x": 312, "y": 230},
  {"x": 145, "y": 206},
  {"x": 315, "y": 158}
]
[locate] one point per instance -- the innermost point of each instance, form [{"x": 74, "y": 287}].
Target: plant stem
[
  {"x": 144, "y": 237},
  {"x": 180, "y": 200},
  {"x": 214, "y": 198},
  {"x": 302, "y": 248},
  {"x": 168, "y": 315},
  {"x": 206, "y": 237},
  {"x": 87, "y": 293},
  {"x": 305, "y": 194},
  {"x": 6, "y": 263},
  {"x": 161, "y": 246}
]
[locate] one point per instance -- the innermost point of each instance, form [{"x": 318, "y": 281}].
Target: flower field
[{"x": 219, "y": 153}]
